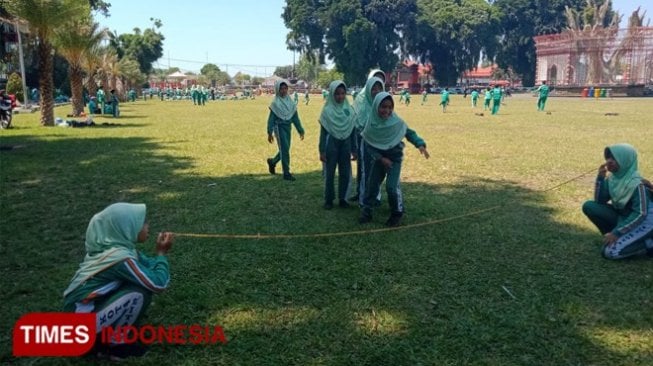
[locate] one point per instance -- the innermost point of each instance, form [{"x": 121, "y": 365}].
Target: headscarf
[
  {"x": 363, "y": 102},
  {"x": 110, "y": 238},
  {"x": 337, "y": 118},
  {"x": 382, "y": 133},
  {"x": 377, "y": 71},
  {"x": 623, "y": 182},
  {"x": 282, "y": 107}
]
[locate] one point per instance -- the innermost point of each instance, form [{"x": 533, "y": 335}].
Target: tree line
[{"x": 452, "y": 35}]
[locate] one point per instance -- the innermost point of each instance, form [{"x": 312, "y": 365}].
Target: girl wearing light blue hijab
[
  {"x": 382, "y": 139},
  {"x": 337, "y": 143},
  {"x": 115, "y": 281},
  {"x": 627, "y": 221},
  {"x": 283, "y": 113}
]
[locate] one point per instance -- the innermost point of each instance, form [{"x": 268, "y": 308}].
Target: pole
[{"x": 22, "y": 67}]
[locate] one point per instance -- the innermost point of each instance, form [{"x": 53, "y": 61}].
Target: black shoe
[
  {"x": 271, "y": 167},
  {"x": 343, "y": 204},
  {"x": 328, "y": 205},
  {"x": 393, "y": 220},
  {"x": 289, "y": 177},
  {"x": 354, "y": 198}
]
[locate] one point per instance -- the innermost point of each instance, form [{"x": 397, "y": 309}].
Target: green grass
[{"x": 431, "y": 295}]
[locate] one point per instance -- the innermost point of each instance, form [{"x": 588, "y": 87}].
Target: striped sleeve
[
  {"x": 638, "y": 214},
  {"x": 150, "y": 273}
]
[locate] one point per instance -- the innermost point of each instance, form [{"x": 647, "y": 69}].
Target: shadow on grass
[{"x": 511, "y": 286}]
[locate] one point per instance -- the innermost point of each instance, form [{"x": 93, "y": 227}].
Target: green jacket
[
  {"x": 274, "y": 120},
  {"x": 151, "y": 273}
]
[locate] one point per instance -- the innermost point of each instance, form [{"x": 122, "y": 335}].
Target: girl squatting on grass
[
  {"x": 337, "y": 143},
  {"x": 627, "y": 222},
  {"x": 116, "y": 281},
  {"x": 283, "y": 112},
  {"x": 383, "y": 146}
]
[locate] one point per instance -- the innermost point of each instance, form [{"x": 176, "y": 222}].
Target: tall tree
[
  {"x": 131, "y": 73},
  {"x": 144, "y": 46},
  {"x": 520, "y": 21},
  {"x": 357, "y": 35},
  {"x": 451, "y": 35},
  {"x": 284, "y": 71},
  {"x": 77, "y": 38},
  {"x": 43, "y": 17}
]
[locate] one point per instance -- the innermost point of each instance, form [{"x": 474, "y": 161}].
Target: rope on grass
[{"x": 361, "y": 232}]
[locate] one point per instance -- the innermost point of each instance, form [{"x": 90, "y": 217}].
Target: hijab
[
  {"x": 110, "y": 238},
  {"x": 282, "y": 107},
  {"x": 377, "y": 71},
  {"x": 622, "y": 183},
  {"x": 363, "y": 102},
  {"x": 382, "y": 133},
  {"x": 337, "y": 118}
]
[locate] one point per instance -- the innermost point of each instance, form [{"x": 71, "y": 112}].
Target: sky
[{"x": 242, "y": 35}]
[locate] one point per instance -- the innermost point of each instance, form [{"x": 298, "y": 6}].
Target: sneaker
[
  {"x": 289, "y": 177},
  {"x": 343, "y": 204},
  {"x": 271, "y": 167},
  {"x": 328, "y": 205},
  {"x": 393, "y": 220}
]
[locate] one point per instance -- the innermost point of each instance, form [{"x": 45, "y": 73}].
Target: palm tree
[
  {"x": 73, "y": 41},
  {"x": 91, "y": 64},
  {"x": 43, "y": 17}
]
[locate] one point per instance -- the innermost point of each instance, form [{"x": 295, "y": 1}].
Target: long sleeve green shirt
[
  {"x": 151, "y": 273},
  {"x": 630, "y": 216},
  {"x": 274, "y": 120}
]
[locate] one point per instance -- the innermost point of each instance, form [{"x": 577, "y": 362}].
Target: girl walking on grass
[{"x": 283, "y": 113}]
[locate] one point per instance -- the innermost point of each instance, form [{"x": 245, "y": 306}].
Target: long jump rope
[{"x": 369, "y": 231}]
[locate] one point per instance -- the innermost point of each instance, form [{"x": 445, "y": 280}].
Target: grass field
[{"x": 523, "y": 284}]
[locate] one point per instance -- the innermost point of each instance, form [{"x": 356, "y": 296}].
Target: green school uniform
[
  {"x": 283, "y": 113},
  {"x": 337, "y": 143},
  {"x": 496, "y": 98},
  {"x": 115, "y": 281},
  {"x": 382, "y": 139},
  {"x": 543, "y": 91}
]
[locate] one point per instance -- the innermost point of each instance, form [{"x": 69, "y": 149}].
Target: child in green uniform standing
[
  {"x": 488, "y": 97},
  {"x": 101, "y": 99},
  {"x": 543, "y": 91},
  {"x": 627, "y": 222},
  {"x": 496, "y": 99},
  {"x": 295, "y": 97},
  {"x": 424, "y": 95},
  {"x": 382, "y": 142},
  {"x": 444, "y": 99},
  {"x": 283, "y": 112},
  {"x": 306, "y": 97},
  {"x": 474, "y": 98},
  {"x": 115, "y": 281},
  {"x": 337, "y": 143},
  {"x": 363, "y": 109}
]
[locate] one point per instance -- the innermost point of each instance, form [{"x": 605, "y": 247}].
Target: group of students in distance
[
  {"x": 116, "y": 281},
  {"x": 370, "y": 132}
]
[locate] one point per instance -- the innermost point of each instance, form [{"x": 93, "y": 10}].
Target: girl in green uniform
[
  {"x": 115, "y": 281},
  {"x": 337, "y": 143},
  {"x": 283, "y": 112},
  {"x": 382, "y": 137},
  {"x": 627, "y": 221}
]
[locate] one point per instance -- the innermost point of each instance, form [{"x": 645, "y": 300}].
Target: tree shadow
[{"x": 509, "y": 286}]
